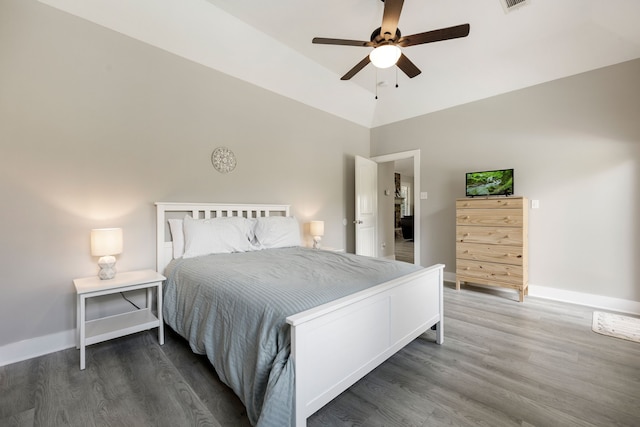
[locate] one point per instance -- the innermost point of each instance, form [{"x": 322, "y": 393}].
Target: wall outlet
[
  {"x": 535, "y": 204},
  {"x": 423, "y": 195}
]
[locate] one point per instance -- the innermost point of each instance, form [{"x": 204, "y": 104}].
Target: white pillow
[
  {"x": 216, "y": 235},
  {"x": 277, "y": 232},
  {"x": 177, "y": 237}
]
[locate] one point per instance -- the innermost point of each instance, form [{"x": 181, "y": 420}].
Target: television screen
[{"x": 490, "y": 183}]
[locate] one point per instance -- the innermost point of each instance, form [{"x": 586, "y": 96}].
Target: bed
[{"x": 318, "y": 320}]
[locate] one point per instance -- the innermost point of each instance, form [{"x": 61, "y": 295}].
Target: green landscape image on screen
[{"x": 490, "y": 183}]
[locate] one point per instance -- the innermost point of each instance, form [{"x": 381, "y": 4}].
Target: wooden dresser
[{"x": 491, "y": 242}]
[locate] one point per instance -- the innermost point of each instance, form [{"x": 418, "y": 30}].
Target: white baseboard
[
  {"x": 28, "y": 349},
  {"x": 573, "y": 297},
  {"x": 589, "y": 300}
]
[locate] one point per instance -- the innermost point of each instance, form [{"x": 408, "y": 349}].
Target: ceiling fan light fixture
[{"x": 385, "y": 56}]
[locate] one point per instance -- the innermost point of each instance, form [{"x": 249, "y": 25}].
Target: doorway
[
  {"x": 409, "y": 161},
  {"x": 403, "y": 218}
]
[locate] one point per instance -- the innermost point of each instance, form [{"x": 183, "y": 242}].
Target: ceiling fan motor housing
[{"x": 379, "y": 39}]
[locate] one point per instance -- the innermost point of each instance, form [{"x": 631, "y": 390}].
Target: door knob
[{"x": 357, "y": 221}]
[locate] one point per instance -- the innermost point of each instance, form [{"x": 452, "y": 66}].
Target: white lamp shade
[
  {"x": 106, "y": 241},
  {"x": 316, "y": 228},
  {"x": 385, "y": 56}
]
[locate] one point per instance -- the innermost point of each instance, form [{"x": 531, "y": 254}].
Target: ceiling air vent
[{"x": 509, "y": 5}]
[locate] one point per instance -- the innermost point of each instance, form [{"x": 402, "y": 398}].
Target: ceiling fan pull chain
[
  {"x": 376, "y": 83},
  {"x": 396, "y": 76}
]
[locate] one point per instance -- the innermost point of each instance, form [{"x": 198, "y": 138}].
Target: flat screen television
[{"x": 490, "y": 183}]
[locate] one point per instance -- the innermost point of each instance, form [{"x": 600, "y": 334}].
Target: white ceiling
[{"x": 268, "y": 43}]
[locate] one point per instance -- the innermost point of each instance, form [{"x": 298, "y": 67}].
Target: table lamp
[
  {"x": 316, "y": 228},
  {"x": 105, "y": 243}
]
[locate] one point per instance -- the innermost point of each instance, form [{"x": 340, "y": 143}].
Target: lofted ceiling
[{"x": 269, "y": 44}]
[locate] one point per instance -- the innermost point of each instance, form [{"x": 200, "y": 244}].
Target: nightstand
[{"x": 106, "y": 328}]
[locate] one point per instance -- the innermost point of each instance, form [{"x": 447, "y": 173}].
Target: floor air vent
[{"x": 509, "y": 5}]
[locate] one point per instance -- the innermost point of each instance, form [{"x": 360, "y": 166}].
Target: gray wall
[
  {"x": 95, "y": 127},
  {"x": 575, "y": 146}
]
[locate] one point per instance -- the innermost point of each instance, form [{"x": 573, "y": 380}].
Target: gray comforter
[{"x": 232, "y": 307}]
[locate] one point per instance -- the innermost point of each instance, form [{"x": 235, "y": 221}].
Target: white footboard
[{"x": 336, "y": 344}]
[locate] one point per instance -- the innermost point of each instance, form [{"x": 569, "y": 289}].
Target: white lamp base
[
  {"x": 107, "y": 267},
  {"x": 316, "y": 242}
]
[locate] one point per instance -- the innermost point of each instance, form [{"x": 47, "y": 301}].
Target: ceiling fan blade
[
  {"x": 435, "y": 35},
  {"x": 341, "y": 42},
  {"x": 390, "y": 18},
  {"x": 408, "y": 67},
  {"x": 352, "y": 72}
]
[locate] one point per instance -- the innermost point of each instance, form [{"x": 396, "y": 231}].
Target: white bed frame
[{"x": 335, "y": 344}]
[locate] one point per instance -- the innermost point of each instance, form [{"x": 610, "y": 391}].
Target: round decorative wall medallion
[{"x": 223, "y": 160}]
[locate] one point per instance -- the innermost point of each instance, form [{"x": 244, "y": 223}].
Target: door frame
[{"x": 415, "y": 154}]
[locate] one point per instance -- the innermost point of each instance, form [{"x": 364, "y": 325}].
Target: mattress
[{"x": 233, "y": 308}]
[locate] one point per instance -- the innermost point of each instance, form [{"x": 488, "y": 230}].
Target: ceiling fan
[{"x": 387, "y": 42}]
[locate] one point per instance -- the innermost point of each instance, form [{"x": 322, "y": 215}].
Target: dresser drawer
[
  {"x": 490, "y": 217},
  {"x": 467, "y": 270},
  {"x": 509, "y": 203},
  {"x": 509, "y": 236},
  {"x": 490, "y": 253}
]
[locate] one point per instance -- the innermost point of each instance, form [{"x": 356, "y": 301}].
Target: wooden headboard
[{"x": 169, "y": 210}]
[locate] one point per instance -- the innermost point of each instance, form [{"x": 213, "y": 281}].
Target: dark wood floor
[
  {"x": 503, "y": 363},
  {"x": 404, "y": 250}
]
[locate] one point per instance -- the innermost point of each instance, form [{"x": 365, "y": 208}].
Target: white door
[{"x": 366, "y": 207}]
